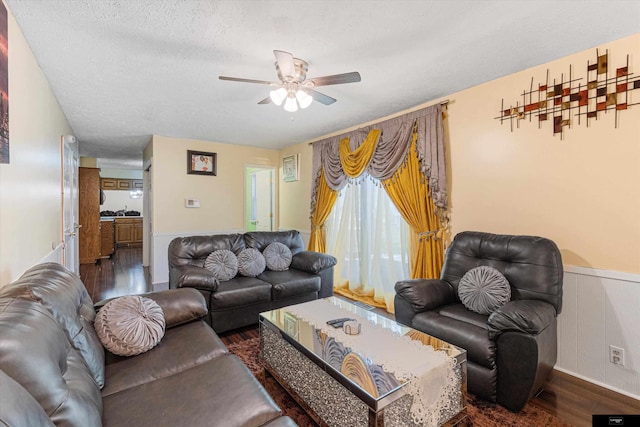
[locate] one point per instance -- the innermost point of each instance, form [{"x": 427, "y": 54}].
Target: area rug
[{"x": 480, "y": 413}]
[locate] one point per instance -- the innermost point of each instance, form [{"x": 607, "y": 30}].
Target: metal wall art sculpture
[{"x": 572, "y": 101}]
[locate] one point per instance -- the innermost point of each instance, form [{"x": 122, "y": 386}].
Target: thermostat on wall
[{"x": 191, "y": 203}]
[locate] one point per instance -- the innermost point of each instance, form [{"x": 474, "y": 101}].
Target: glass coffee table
[{"x": 383, "y": 376}]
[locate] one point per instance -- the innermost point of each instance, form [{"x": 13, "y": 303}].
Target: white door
[
  {"x": 70, "y": 226},
  {"x": 264, "y": 200}
]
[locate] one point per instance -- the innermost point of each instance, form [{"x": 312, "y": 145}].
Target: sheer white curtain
[{"x": 370, "y": 239}]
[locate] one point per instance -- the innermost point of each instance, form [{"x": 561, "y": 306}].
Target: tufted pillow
[
  {"x": 223, "y": 264},
  {"x": 251, "y": 262},
  {"x": 484, "y": 289},
  {"x": 277, "y": 256},
  {"x": 130, "y": 325}
]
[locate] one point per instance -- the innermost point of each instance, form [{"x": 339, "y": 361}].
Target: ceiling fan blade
[
  {"x": 265, "y": 101},
  {"x": 236, "y": 79},
  {"x": 320, "y": 97},
  {"x": 285, "y": 63},
  {"x": 336, "y": 79}
]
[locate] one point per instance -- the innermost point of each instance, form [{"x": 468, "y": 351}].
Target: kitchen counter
[{"x": 111, "y": 218}]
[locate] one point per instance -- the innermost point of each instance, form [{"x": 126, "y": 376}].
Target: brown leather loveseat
[
  {"x": 54, "y": 370},
  {"x": 237, "y": 302}
]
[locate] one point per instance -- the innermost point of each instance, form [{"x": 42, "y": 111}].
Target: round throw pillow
[
  {"x": 277, "y": 256},
  {"x": 251, "y": 262},
  {"x": 484, "y": 289},
  {"x": 130, "y": 325},
  {"x": 223, "y": 264}
]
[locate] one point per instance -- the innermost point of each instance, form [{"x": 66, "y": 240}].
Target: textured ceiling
[{"x": 124, "y": 70}]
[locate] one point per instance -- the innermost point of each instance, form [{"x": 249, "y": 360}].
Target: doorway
[
  {"x": 70, "y": 217},
  {"x": 259, "y": 198}
]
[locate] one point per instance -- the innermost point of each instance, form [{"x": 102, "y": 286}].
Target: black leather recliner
[{"x": 510, "y": 352}]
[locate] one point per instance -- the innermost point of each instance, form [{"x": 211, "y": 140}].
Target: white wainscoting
[
  {"x": 56, "y": 255},
  {"x": 600, "y": 308}
]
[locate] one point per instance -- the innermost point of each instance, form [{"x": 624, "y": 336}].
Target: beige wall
[
  {"x": 295, "y": 196},
  {"x": 30, "y": 204},
  {"x": 583, "y": 191},
  {"x": 221, "y": 197}
]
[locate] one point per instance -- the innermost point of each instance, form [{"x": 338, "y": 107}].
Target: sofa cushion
[
  {"x": 223, "y": 264},
  {"x": 251, "y": 262},
  {"x": 130, "y": 325},
  {"x": 18, "y": 407},
  {"x": 236, "y": 399},
  {"x": 484, "y": 289},
  {"x": 169, "y": 357},
  {"x": 291, "y": 282},
  {"x": 36, "y": 353},
  {"x": 62, "y": 293},
  {"x": 277, "y": 256},
  {"x": 240, "y": 291}
]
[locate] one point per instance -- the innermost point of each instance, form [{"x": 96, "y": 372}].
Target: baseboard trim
[{"x": 598, "y": 383}]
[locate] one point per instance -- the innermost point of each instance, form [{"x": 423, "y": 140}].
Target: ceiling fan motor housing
[{"x": 301, "y": 67}]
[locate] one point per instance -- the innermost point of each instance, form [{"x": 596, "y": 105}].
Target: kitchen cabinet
[
  {"x": 89, "y": 214},
  {"x": 108, "y": 183},
  {"x": 107, "y": 238},
  {"x": 129, "y": 231},
  {"x": 120, "y": 184}
]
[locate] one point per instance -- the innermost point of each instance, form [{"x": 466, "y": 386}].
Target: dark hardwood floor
[
  {"x": 122, "y": 274},
  {"x": 569, "y": 398}
]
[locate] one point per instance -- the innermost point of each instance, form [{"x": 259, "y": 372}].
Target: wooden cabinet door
[
  {"x": 124, "y": 232},
  {"x": 138, "y": 231},
  {"x": 108, "y": 183},
  {"x": 124, "y": 184},
  {"x": 89, "y": 213},
  {"x": 107, "y": 244}
]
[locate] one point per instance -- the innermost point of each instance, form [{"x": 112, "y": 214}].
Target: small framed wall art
[
  {"x": 291, "y": 168},
  {"x": 201, "y": 163}
]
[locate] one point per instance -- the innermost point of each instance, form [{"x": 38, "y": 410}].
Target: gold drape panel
[
  {"x": 409, "y": 191},
  {"x": 354, "y": 162},
  {"x": 324, "y": 204}
]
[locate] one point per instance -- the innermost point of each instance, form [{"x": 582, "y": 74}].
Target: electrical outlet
[{"x": 616, "y": 355}]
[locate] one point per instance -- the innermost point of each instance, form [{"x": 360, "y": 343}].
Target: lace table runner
[{"x": 431, "y": 375}]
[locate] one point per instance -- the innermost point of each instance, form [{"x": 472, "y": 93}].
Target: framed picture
[
  {"x": 201, "y": 163},
  {"x": 290, "y": 165}
]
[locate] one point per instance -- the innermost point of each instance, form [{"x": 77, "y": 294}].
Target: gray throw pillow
[
  {"x": 223, "y": 264},
  {"x": 251, "y": 262},
  {"x": 277, "y": 256},
  {"x": 484, "y": 289},
  {"x": 130, "y": 325}
]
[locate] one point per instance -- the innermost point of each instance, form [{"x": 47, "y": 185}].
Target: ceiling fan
[{"x": 294, "y": 89}]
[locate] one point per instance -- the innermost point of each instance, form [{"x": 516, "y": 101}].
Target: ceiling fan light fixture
[
  {"x": 291, "y": 105},
  {"x": 304, "y": 99},
  {"x": 278, "y": 95}
]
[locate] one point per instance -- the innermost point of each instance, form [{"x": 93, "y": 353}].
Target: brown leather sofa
[
  {"x": 238, "y": 302},
  {"x": 52, "y": 366},
  {"x": 510, "y": 352}
]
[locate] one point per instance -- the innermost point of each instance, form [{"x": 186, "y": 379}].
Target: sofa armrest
[
  {"x": 178, "y": 305},
  {"x": 527, "y": 316},
  {"x": 425, "y": 294},
  {"x": 190, "y": 276},
  {"x": 312, "y": 262}
]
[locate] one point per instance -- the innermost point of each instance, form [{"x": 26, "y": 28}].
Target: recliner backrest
[{"x": 532, "y": 265}]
